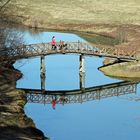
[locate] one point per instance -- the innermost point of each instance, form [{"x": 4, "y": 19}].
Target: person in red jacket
[{"x": 53, "y": 43}]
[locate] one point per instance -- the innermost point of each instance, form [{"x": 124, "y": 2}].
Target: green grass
[
  {"x": 99, "y": 39},
  {"x": 78, "y": 11}
]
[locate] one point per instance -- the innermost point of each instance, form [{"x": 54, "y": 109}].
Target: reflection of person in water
[{"x": 53, "y": 102}]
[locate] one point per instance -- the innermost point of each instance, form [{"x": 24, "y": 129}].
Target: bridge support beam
[
  {"x": 82, "y": 65},
  {"x": 82, "y": 72},
  {"x": 82, "y": 81},
  {"x": 42, "y": 73}
]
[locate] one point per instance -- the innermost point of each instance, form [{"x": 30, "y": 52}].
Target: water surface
[{"x": 116, "y": 117}]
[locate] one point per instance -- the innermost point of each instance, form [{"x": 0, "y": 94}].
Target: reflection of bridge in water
[{"x": 81, "y": 95}]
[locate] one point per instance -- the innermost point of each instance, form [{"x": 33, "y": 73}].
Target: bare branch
[{"x": 4, "y": 4}]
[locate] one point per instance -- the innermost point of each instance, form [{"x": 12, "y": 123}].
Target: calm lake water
[{"x": 111, "y": 118}]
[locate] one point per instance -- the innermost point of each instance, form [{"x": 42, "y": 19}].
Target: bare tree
[
  {"x": 3, "y": 3},
  {"x": 9, "y": 37}
]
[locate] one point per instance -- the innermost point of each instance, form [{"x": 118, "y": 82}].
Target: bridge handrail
[{"x": 70, "y": 47}]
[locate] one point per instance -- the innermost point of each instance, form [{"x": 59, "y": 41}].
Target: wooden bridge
[
  {"x": 79, "y": 96},
  {"x": 82, "y": 48}
]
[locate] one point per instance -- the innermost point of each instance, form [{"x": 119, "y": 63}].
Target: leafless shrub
[{"x": 10, "y": 38}]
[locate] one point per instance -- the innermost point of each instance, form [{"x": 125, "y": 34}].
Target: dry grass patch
[
  {"x": 79, "y": 11},
  {"x": 126, "y": 69}
]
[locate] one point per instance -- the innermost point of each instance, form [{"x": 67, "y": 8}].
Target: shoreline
[
  {"x": 13, "y": 121},
  {"x": 14, "y": 124},
  {"x": 131, "y": 34}
]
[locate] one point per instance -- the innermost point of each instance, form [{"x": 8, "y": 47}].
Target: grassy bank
[
  {"x": 129, "y": 70},
  {"x": 110, "y": 18},
  {"x": 92, "y": 16},
  {"x": 14, "y": 124},
  {"x": 54, "y": 13}
]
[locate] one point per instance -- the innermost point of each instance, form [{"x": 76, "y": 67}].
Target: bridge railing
[{"x": 31, "y": 50}]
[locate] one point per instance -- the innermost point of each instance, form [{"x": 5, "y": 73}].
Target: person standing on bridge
[{"x": 53, "y": 43}]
